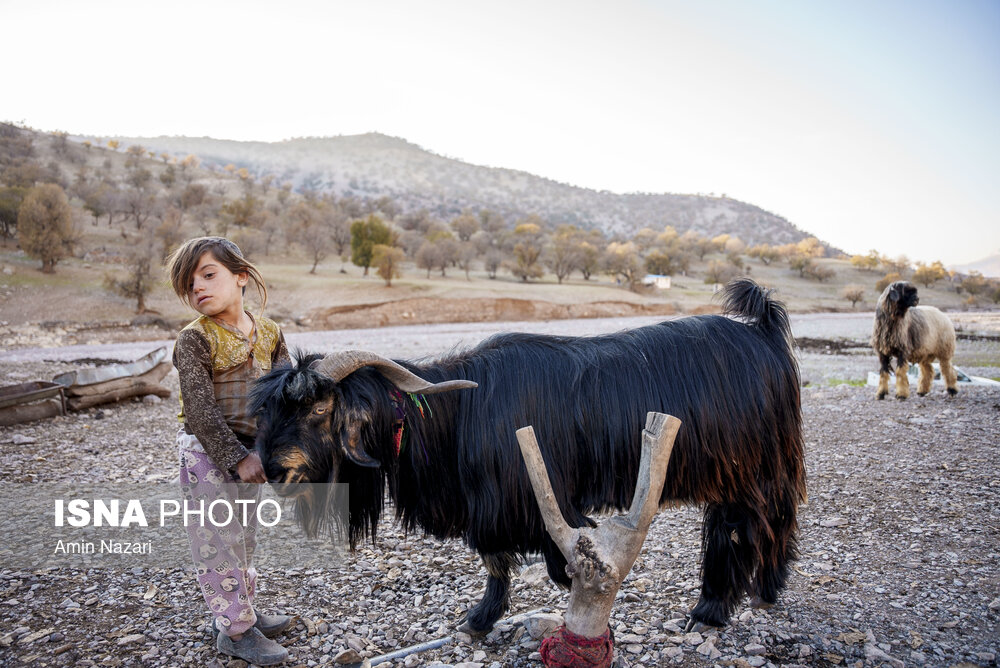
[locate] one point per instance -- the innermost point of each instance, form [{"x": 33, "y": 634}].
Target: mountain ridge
[{"x": 374, "y": 165}]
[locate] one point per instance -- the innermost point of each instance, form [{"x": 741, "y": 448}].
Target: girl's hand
[{"x": 250, "y": 470}]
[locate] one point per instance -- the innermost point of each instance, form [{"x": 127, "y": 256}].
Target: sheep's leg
[
  {"x": 726, "y": 566},
  {"x": 496, "y": 601},
  {"x": 926, "y": 377},
  {"x": 950, "y": 377},
  {"x": 883, "y": 376},
  {"x": 902, "y": 380}
]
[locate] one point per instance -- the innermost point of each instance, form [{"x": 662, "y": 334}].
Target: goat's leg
[
  {"x": 555, "y": 563},
  {"x": 496, "y": 600},
  {"x": 949, "y": 375},
  {"x": 726, "y": 567},
  {"x": 902, "y": 380},
  {"x": 883, "y": 376},
  {"x": 926, "y": 377},
  {"x": 776, "y": 552}
]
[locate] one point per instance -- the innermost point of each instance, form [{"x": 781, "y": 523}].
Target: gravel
[{"x": 900, "y": 541}]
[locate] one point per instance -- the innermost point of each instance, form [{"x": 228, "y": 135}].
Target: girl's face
[{"x": 216, "y": 291}]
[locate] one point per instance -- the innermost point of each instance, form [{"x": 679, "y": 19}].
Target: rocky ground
[{"x": 900, "y": 541}]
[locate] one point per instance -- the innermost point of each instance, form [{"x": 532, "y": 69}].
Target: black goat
[{"x": 455, "y": 470}]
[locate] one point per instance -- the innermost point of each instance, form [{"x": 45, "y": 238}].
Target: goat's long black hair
[{"x": 733, "y": 383}]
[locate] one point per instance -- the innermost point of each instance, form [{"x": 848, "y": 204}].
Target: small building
[{"x": 658, "y": 281}]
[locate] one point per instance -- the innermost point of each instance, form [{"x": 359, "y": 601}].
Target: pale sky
[{"x": 871, "y": 124}]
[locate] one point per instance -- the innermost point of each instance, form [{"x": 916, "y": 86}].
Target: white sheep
[{"x": 913, "y": 335}]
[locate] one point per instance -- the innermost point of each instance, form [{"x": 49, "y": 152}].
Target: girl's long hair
[{"x": 182, "y": 263}]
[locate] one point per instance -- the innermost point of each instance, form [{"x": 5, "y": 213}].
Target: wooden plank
[
  {"x": 151, "y": 377},
  {"x": 12, "y": 415}
]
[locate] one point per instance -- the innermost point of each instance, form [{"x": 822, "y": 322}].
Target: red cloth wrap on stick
[{"x": 565, "y": 649}]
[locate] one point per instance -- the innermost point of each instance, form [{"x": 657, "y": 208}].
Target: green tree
[
  {"x": 365, "y": 235},
  {"x": 10, "y": 202},
  {"x": 45, "y": 225}
]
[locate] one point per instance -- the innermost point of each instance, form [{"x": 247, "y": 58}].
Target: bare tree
[
  {"x": 466, "y": 254},
  {"x": 139, "y": 275},
  {"x": 527, "y": 251},
  {"x": 465, "y": 226},
  {"x": 621, "y": 260},
  {"x": 563, "y": 254},
  {"x": 427, "y": 256},
  {"x": 853, "y": 293},
  {"x": 492, "y": 262}
]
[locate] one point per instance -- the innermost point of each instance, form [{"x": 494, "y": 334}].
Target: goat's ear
[
  {"x": 893, "y": 295},
  {"x": 350, "y": 445}
]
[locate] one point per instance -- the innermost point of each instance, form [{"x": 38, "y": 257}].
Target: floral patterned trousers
[{"x": 222, "y": 547}]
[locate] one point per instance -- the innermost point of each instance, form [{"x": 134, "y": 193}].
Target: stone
[
  {"x": 709, "y": 649},
  {"x": 347, "y": 656},
  {"x": 151, "y": 400},
  {"x": 754, "y": 649},
  {"x": 535, "y": 574},
  {"x": 542, "y": 625}
]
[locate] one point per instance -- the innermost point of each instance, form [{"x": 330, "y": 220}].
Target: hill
[
  {"x": 373, "y": 165},
  {"x": 988, "y": 266}
]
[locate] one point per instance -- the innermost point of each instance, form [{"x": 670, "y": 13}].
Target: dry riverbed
[{"x": 900, "y": 540}]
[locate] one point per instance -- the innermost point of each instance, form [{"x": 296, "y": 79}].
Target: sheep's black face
[{"x": 902, "y": 295}]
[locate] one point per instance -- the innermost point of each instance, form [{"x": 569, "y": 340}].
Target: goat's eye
[{"x": 319, "y": 410}]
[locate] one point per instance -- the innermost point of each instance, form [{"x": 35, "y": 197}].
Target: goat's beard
[{"x": 322, "y": 508}]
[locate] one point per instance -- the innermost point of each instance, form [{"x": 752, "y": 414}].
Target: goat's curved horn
[{"x": 342, "y": 364}]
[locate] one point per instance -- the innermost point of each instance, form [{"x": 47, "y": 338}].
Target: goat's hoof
[
  {"x": 952, "y": 391},
  {"x": 760, "y": 604},
  {"x": 881, "y": 395},
  {"x": 900, "y": 397},
  {"x": 466, "y": 627},
  {"x": 921, "y": 394},
  {"x": 694, "y": 626}
]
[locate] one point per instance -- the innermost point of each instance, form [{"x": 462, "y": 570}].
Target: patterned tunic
[{"x": 217, "y": 365}]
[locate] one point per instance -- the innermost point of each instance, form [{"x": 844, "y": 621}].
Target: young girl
[{"x": 218, "y": 356}]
